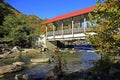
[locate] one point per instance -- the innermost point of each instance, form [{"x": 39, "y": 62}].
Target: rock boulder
[{"x": 9, "y": 69}]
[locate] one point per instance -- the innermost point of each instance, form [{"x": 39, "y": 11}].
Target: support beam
[
  {"x": 80, "y": 21},
  {"x": 53, "y": 31},
  {"x": 80, "y": 24},
  {"x": 72, "y": 27},
  {"x": 62, "y": 29},
  {"x": 84, "y": 24}
]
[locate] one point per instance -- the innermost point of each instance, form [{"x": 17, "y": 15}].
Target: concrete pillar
[
  {"x": 84, "y": 24},
  {"x": 72, "y": 27}
]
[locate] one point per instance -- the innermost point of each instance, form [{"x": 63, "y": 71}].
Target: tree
[
  {"x": 49, "y": 28},
  {"x": 6, "y": 9},
  {"x": 34, "y": 22},
  {"x": 107, "y": 16},
  {"x": 3, "y": 12},
  {"x": 17, "y": 29},
  {"x": 11, "y": 27}
]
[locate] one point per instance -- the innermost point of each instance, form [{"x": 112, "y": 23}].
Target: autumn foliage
[{"x": 107, "y": 19}]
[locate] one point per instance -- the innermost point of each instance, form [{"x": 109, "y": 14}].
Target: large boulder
[
  {"x": 9, "y": 55},
  {"x": 72, "y": 51},
  {"x": 40, "y": 60},
  {"x": 9, "y": 69},
  {"x": 15, "y": 49},
  {"x": 4, "y": 55},
  {"x": 31, "y": 76},
  {"x": 18, "y": 77},
  {"x": 18, "y": 63}
]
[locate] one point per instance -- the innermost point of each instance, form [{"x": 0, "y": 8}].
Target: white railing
[{"x": 68, "y": 31}]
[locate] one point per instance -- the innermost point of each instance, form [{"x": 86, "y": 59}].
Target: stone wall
[
  {"x": 39, "y": 41},
  {"x": 51, "y": 45}
]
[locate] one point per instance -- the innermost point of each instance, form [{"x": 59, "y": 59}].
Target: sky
[{"x": 49, "y": 8}]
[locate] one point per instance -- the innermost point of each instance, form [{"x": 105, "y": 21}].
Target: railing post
[
  {"x": 72, "y": 27},
  {"x": 80, "y": 24},
  {"x": 62, "y": 29},
  {"x": 84, "y": 24}
]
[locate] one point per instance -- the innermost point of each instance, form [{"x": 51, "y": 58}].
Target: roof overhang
[{"x": 71, "y": 14}]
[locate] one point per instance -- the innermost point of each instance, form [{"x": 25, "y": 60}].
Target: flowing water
[{"x": 83, "y": 60}]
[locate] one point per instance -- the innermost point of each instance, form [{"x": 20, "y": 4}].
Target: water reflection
[{"x": 88, "y": 57}]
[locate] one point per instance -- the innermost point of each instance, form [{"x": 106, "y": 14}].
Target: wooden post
[
  {"x": 84, "y": 24},
  {"x": 80, "y": 24},
  {"x": 62, "y": 29},
  {"x": 53, "y": 31},
  {"x": 72, "y": 27}
]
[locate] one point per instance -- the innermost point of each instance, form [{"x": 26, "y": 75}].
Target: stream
[{"x": 85, "y": 62}]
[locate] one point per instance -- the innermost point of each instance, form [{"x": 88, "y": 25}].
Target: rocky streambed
[{"x": 75, "y": 63}]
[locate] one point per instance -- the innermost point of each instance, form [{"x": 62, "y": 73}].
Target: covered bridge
[{"x": 70, "y": 26}]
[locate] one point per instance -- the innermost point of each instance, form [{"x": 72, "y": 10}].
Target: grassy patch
[{"x": 7, "y": 61}]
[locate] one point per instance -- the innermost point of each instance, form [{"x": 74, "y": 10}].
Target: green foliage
[
  {"x": 3, "y": 12},
  {"x": 35, "y": 23},
  {"x": 6, "y": 9},
  {"x": 107, "y": 16},
  {"x": 18, "y": 29}
]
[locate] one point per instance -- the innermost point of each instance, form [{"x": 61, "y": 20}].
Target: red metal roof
[{"x": 71, "y": 14}]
